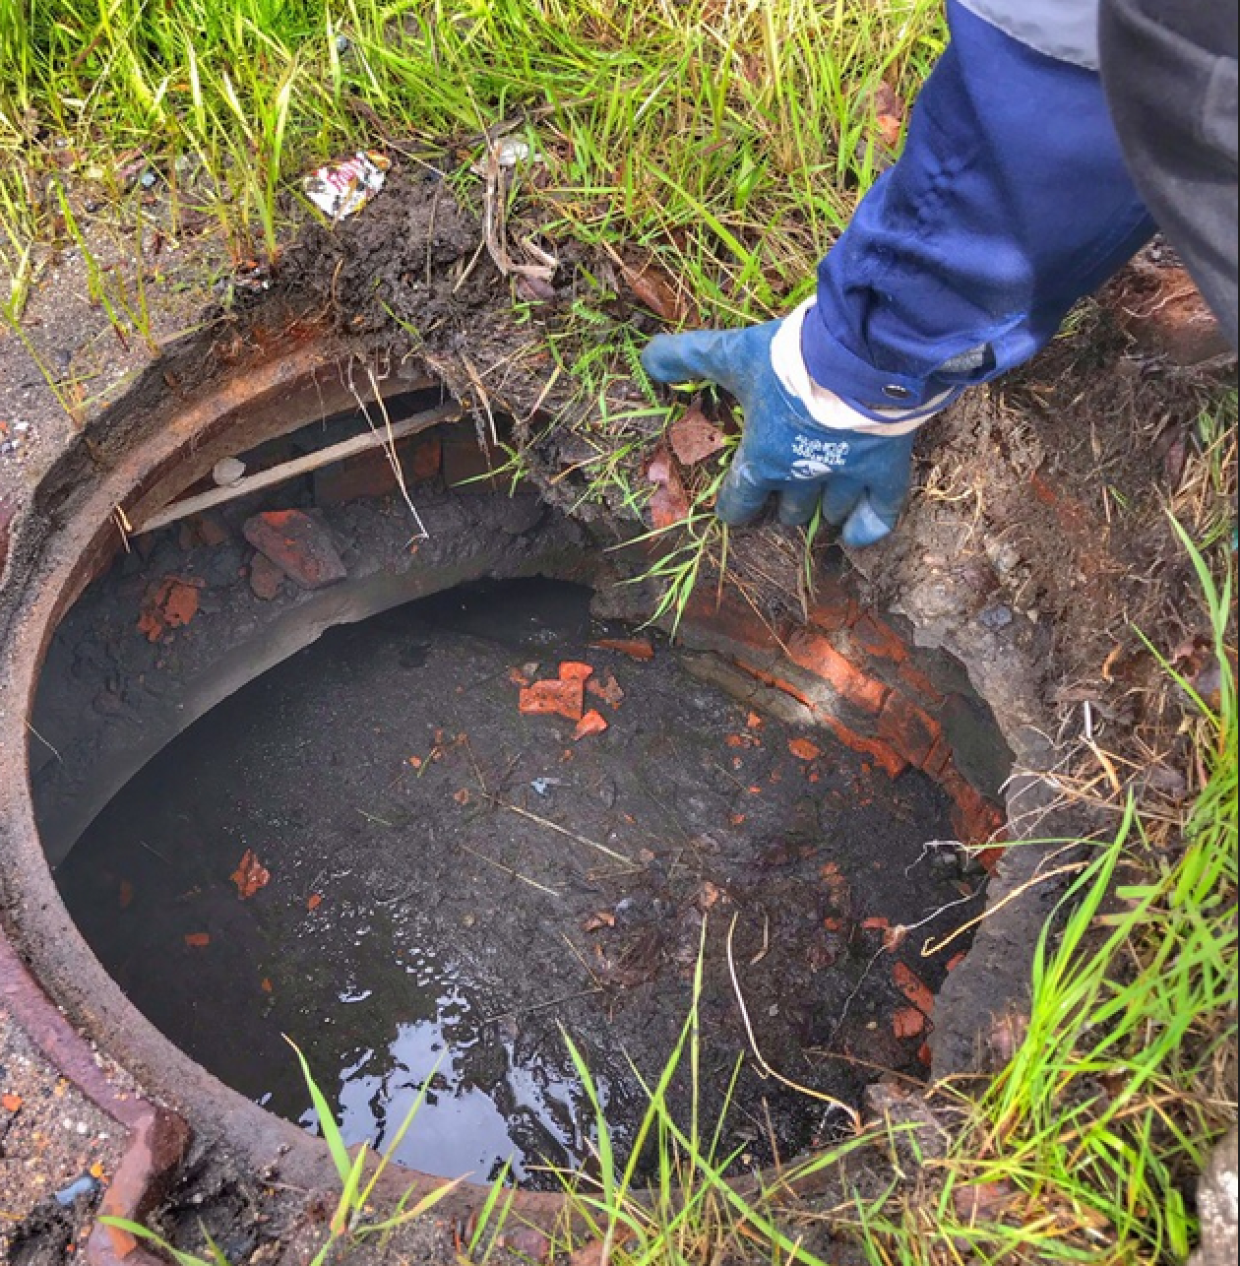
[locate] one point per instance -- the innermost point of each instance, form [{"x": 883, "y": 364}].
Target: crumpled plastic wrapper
[{"x": 343, "y": 189}]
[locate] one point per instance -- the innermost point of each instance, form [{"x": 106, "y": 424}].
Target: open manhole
[{"x": 422, "y": 804}]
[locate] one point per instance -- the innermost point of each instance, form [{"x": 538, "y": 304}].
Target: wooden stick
[{"x": 300, "y": 466}]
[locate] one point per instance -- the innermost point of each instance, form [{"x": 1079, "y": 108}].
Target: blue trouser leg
[{"x": 1010, "y": 202}]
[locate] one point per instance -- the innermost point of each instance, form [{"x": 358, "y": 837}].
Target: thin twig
[
  {"x": 572, "y": 835},
  {"x": 853, "y": 1115},
  {"x": 508, "y": 870},
  {"x": 931, "y": 948}
]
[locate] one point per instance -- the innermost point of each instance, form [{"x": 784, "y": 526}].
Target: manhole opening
[{"x": 363, "y": 840}]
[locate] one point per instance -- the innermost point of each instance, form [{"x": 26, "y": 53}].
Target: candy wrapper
[{"x": 343, "y": 189}]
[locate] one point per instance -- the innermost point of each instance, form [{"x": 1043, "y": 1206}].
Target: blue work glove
[{"x": 856, "y": 467}]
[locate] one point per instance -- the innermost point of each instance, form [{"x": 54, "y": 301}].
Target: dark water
[{"x": 439, "y": 867}]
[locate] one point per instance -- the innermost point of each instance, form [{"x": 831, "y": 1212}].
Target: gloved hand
[{"x": 858, "y": 468}]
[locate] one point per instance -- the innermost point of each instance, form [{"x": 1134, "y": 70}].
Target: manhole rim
[
  {"x": 55, "y": 561},
  {"x": 55, "y": 550}
]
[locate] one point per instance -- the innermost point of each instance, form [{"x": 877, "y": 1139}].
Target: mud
[{"x": 429, "y": 925}]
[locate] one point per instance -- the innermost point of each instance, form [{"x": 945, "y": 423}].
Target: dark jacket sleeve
[{"x": 1169, "y": 68}]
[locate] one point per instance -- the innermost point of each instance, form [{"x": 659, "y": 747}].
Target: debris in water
[
  {"x": 250, "y": 875},
  {"x": 83, "y": 1186},
  {"x": 633, "y": 647},
  {"x": 343, "y": 189},
  {"x": 608, "y": 689},
  {"x": 592, "y": 723},
  {"x": 553, "y": 698}
]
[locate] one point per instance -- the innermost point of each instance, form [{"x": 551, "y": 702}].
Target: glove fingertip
[{"x": 865, "y": 526}]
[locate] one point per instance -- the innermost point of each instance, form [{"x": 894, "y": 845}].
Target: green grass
[
  {"x": 730, "y": 139},
  {"x": 1094, "y": 1131}
]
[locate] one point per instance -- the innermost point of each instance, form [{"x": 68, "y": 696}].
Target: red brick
[
  {"x": 833, "y": 607},
  {"x": 911, "y": 730},
  {"x": 990, "y": 858},
  {"x": 975, "y": 819},
  {"x": 729, "y": 616},
  {"x": 465, "y": 465},
  {"x": 816, "y": 655},
  {"x": 368, "y": 474},
  {"x": 879, "y": 639},
  {"x": 939, "y": 758},
  {"x": 299, "y": 545},
  {"x": 921, "y": 686},
  {"x": 776, "y": 683},
  {"x": 883, "y": 753},
  {"x": 424, "y": 459}
]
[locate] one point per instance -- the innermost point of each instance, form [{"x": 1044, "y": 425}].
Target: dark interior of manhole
[{"x": 449, "y": 884}]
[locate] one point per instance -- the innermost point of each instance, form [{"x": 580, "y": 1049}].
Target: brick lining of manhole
[{"x": 844, "y": 669}]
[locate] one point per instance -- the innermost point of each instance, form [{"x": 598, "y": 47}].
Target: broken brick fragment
[
  {"x": 250, "y": 875},
  {"x": 553, "y": 698},
  {"x": 299, "y": 544},
  {"x": 633, "y": 647},
  {"x": 171, "y": 604},
  {"x": 592, "y": 723},
  {"x": 608, "y": 689}
]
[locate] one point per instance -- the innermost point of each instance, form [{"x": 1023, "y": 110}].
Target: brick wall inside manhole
[{"x": 480, "y": 814}]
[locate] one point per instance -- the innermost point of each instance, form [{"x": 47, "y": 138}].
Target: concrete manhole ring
[{"x": 74, "y": 526}]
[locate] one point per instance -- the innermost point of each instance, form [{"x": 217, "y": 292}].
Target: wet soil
[{"x": 453, "y": 881}]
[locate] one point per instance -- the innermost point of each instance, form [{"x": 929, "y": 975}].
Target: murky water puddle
[{"x": 454, "y": 885}]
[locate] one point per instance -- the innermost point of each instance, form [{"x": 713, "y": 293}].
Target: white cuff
[{"x": 825, "y": 407}]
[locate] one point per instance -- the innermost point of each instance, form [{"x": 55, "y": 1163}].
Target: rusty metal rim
[{"x": 48, "y": 975}]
